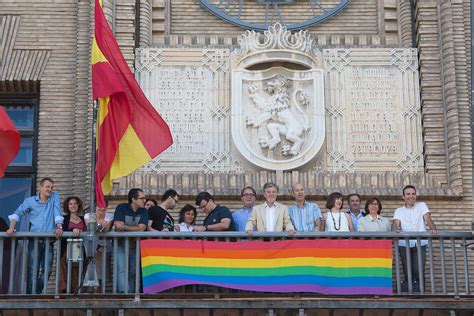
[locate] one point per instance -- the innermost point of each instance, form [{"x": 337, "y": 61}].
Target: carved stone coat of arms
[{"x": 278, "y": 116}]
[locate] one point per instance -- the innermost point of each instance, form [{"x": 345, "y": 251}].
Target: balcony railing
[{"x": 447, "y": 271}]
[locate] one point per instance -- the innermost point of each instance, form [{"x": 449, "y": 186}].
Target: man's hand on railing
[
  {"x": 11, "y": 229},
  {"x": 249, "y": 232},
  {"x": 430, "y": 223},
  {"x": 291, "y": 232},
  {"x": 58, "y": 232}
]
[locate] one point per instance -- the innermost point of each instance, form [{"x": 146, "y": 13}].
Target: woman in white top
[
  {"x": 337, "y": 220},
  {"x": 187, "y": 217},
  {"x": 372, "y": 221}
]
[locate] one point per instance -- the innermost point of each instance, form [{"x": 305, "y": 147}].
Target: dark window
[
  {"x": 20, "y": 176},
  {"x": 13, "y": 191}
]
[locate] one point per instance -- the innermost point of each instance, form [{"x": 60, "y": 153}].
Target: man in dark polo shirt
[
  {"x": 158, "y": 217},
  {"x": 129, "y": 217},
  {"x": 219, "y": 218}
]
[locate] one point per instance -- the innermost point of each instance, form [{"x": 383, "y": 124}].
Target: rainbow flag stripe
[{"x": 341, "y": 267}]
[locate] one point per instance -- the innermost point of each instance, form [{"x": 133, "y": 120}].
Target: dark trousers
[
  {"x": 414, "y": 268},
  {"x": 39, "y": 257}
]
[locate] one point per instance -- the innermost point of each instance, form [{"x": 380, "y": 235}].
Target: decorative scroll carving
[
  {"x": 277, "y": 37},
  {"x": 148, "y": 59},
  {"x": 404, "y": 59},
  {"x": 216, "y": 60},
  {"x": 336, "y": 59}
]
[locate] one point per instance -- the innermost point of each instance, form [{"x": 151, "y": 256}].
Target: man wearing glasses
[
  {"x": 158, "y": 217},
  {"x": 129, "y": 217},
  {"x": 218, "y": 218},
  {"x": 241, "y": 216}
]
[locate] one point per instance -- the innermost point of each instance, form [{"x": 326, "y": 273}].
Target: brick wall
[{"x": 443, "y": 39}]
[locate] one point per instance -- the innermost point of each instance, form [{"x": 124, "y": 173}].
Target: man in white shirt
[
  {"x": 412, "y": 217},
  {"x": 270, "y": 216}
]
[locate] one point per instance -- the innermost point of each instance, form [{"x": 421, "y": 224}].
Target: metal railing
[{"x": 446, "y": 274}]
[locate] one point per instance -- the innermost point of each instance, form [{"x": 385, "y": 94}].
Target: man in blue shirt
[
  {"x": 305, "y": 216},
  {"x": 44, "y": 215},
  {"x": 354, "y": 209},
  {"x": 241, "y": 216},
  {"x": 129, "y": 217}
]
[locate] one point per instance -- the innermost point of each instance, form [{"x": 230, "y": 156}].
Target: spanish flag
[
  {"x": 9, "y": 141},
  {"x": 130, "y": 131}
]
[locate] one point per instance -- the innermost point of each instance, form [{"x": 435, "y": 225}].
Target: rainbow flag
[{"x": 341, "y": 267}]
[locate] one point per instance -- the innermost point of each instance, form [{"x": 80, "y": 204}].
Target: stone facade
[{"x": 45, "y": 47}]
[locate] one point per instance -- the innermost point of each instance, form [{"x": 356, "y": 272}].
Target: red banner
[{"x": 9, "y": 141}]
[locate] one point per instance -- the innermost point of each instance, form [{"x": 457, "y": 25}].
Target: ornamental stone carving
[
  {"x": 277, "y": 99},
  {"x": 277, "y": 44},
  {"x": 278, "y": 102},
  {"x": 278, "y": 116},
  {"x": 277, "y": 113}
]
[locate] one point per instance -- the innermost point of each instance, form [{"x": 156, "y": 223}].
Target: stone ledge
[{"x": 385, "y": 185}]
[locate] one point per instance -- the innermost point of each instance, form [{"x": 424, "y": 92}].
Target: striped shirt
[{"x": 304, "y": 218}]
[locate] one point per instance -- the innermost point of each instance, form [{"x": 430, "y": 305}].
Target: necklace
[{"x": 334, "y": 221}]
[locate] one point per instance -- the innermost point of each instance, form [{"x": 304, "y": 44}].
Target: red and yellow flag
[
  {"x": 9, "y": 141},
  {"x": 130, "y": 131}
]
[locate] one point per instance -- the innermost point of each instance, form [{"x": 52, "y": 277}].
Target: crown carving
[{"x": 277, "y": 37}]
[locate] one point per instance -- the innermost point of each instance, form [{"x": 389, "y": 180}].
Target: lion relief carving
[{"x": 280, "y": 115}]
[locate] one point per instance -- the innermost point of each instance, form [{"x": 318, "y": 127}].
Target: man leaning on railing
[
  {"x": 45, "y": 216},
  {"x": 129, "y": 217},
  {"x": 412, "y": 217}
]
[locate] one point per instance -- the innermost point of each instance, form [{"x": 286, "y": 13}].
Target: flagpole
[
  {"x": 90, "y": 278},
  {"x": 94, "y": 139}
]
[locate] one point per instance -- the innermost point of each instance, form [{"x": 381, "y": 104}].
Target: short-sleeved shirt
[
  {"x": 160, "y": 218},
  {"x": 241, "y": 218},
  {"x": 216, "y": 216},
  {"x": 183, "y": 227},
  {"x": 355, "y": 219},
  {"x": 124, "y": 213},
  {"x": 411, "y": 220},
  {"x": 304, "y": 218},
  {"x": 109, "y": 217}
]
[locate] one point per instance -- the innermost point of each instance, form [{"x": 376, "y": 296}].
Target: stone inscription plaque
[
  {"x": 374, "y": 130},
  {"x": 183, "y": 95},
  {"x": 373, "y": 110},
  {"x": 189, "y": 88}
]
